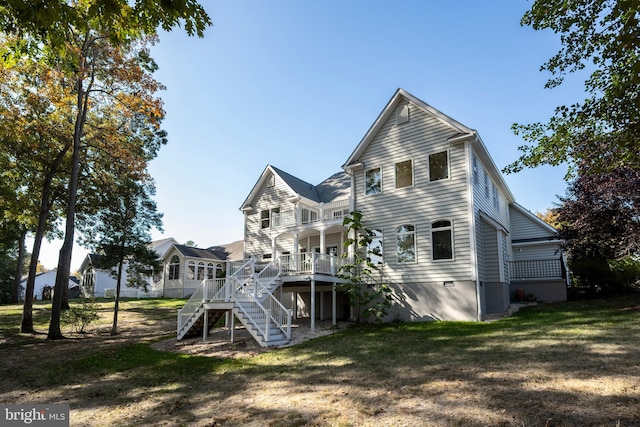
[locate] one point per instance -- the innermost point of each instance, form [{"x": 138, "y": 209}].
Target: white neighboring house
[
  {"x": 96, "y": 282},
  {"x": 48, "y": 278}
]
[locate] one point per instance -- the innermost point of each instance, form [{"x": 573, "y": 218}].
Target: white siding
[
  {"x": 257, "y": 239},
  {"x": 526, "y": 228},
  {"x": 420, "y": 284}
]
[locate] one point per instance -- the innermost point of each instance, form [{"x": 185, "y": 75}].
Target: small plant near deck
[
  {"x": 81, "y": 316},
  {"x": 366, "y": 295}
]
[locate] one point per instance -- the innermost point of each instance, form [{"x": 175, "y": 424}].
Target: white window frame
[
  {"x": 366, "y": 192},
  {"x": 448, "y": 228},
  {"x": 372, "y": 245},
  {"x": 174, "y": 268},
  {"x": 448, "y": 154},
  {"x": 399, "y": 235},
  {"x": 395, "y": 173}
]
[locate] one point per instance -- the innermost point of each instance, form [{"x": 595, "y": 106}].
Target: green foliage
[
  {"x": 81, "y": 316},
  {"x": 366, "y": 296},
  {"x": 603, "y": 38}
]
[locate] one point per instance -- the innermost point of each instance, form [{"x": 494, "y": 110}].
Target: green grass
[{"x": 556, "y": 348}]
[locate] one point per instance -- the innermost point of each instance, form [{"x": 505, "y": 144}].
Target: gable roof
[
  {"x": 388, "y": 110},
  {"x": 534, "y": 218},
  {"x": 463, "y": 134},
  {"x": 336, "y": 186}
]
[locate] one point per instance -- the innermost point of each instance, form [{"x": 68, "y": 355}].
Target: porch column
[
  {"x": 273, "y": 248},
  {"x": 323, "y": 249},
  {"x": 295, "y": 251},
  {"x": 333, "y": 305},
  {"x": 313, "y": 305}
]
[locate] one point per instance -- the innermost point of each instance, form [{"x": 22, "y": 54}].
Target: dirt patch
[{"x": 244, "y": 345}]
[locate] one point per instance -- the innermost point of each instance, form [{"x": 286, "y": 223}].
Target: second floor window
[
  {"x": 406, "y": 243},
  {"x": 404, "y": 174},
  {"x": 439, "y": 166},
  {"x": 174, "y": 268},
  {"x": 373, "y": 181},
  {"x": 267, "y": 217}
]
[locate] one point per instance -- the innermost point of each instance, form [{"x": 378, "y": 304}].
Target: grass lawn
[{"x": 565, "y": 364}]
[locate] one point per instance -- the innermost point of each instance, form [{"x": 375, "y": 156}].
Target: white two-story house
[{"x": 453, "y": 243}]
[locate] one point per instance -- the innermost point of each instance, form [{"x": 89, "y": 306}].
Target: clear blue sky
[{"x": 297, "y": 84}]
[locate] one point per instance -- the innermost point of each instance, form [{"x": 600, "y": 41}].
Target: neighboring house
[
  {"x": 97, "y": 282},
  {"x": 48, "y": 280},
  {"x": 453, "y": 243},
  {"x": 185, "y": 267}
]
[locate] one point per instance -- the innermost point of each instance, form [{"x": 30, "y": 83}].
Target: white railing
[
  {"x": 323, "y": 212},
  {"x": 310, "y": 263}
]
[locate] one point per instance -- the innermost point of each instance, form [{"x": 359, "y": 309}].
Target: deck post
[
  {"x": 333, "y": 304},
  {"x": 313, "y": 305},
  {"x": 321, "y": 305},
  {"x": 233, "y": 327},
  {"x": 205, "y": 329}
]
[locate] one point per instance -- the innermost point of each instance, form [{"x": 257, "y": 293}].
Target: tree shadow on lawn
[{"x": 528, "y": 370}]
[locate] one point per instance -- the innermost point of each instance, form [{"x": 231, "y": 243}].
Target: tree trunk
[
  {"x": 114, "y": 328},
  {"x": 64, "y": 260},
  {"x": 45, "y": 207},
  {"x": 15, "y": 295}
]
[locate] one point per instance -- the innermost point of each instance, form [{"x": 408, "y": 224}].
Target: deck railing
[
  {"x": 538, "y": 269},
  {"x": 310, "y": 263},
  {"x": 308, "y": 215}
]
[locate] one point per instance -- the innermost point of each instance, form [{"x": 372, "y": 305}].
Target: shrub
[{"x": 80, "y": 316}]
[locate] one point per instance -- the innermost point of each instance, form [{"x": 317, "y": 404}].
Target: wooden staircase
[{"x": 249, "y": 296}]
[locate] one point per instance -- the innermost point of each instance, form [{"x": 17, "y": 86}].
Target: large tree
[
  {"x": 600, "y": 225},
  {"x": 85, "y": 38},
  {"x": 602, "y": 38}
]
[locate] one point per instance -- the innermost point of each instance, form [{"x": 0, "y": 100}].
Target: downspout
[{"x": 472, "y": 230}]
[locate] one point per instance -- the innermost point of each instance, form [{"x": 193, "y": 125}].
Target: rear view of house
[{"x": 450, "y": 239}]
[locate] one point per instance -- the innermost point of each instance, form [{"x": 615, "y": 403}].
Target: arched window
[
  {"x": 406, "y": 243},
  {"x": 219, "y": 271},
  {"x": 200, "y": 271},
  {"x": 211, "y": 271},
  {"x": 174, "y": 268},
  {"x": 442, "y": 240},
  {"x": 191, "y": 270}
]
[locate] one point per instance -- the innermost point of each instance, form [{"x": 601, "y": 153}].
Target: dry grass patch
[{"x": 570, "y": 364}]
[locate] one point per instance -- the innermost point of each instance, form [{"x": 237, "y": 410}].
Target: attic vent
[{"x": 402, "y": 114}]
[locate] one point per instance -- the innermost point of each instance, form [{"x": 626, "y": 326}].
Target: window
[
  {"x": 486, "y": 184},
  {"x": 441, "y": 240},
  {"x": 474, "y": 167},
  {"x": 219, "y": 271},
  {"x": 373, "y": 181},
  {"x": 200, "y": 271},
  {"x": 332, "y": 250},
  {"x": 267, "y": 217},
  {"x": 211, "y": 271},
  {"x": 496, "y": 200},
  {"x": 406, "y": 243},
  {"x": 271, "y": 181},
  {"x": 174, "y": 268},
  {"x": 402, "y": 114},
  {"x": 404, "y": 174},
  {"x": 191, "y": 270},
  {"x": 374, "y": 247},
  {"x": 439, "y": 166},
  {"x": 309, "y": 216}
]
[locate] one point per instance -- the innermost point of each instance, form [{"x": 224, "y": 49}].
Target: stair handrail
[{"x": 191, "y": 306}]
